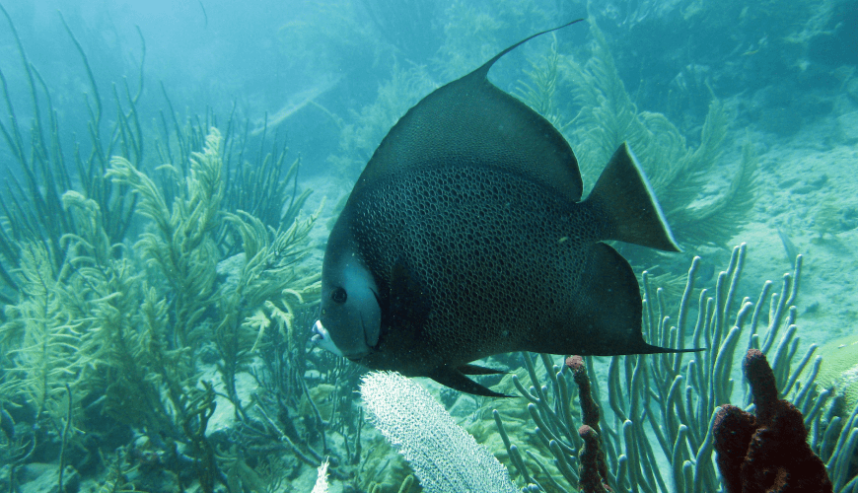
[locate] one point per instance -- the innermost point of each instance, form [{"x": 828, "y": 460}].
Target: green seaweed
[
  {"x": 33, "y": 209},
  {"x": 111, "y": 297},
  {"x": 180, "y": 243},
  {"x": 267, "y": 284},
  {"x": 42, "y": 337},
  {"x": 119, "y": 325}
]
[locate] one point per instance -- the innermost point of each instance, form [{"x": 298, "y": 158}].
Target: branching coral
[
  {"x": 269, "y": 276},
  {"x": 180, "y": 244},
  {"x": 127, "y": 337},
  {"x": 43, "y": 337}
]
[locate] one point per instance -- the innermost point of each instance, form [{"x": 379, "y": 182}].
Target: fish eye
[{"x": 339, "y": 295}]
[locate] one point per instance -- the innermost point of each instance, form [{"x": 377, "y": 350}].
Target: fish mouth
[{"x": 322, "y": 338}]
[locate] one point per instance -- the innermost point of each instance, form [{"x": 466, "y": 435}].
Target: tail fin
[{"x": 624, "y": 195}]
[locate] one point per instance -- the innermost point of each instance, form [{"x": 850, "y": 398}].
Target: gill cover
[{"x": 351, "y": 317}]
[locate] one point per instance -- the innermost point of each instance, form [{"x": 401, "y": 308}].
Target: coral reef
[
  {"x": 672, "y": 400},
  {"x": 110, "y": 341},
  {"x": 767, "y": 451}
]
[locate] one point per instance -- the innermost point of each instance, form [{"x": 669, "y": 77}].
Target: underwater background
[{"x": 171, "y": 171}]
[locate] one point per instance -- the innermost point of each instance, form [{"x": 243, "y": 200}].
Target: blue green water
[{"x": 125, "y": 288}]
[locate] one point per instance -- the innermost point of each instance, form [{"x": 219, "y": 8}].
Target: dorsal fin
[
  {"x": 471, "y": 122},
  {"x": 631, "y": 212}
]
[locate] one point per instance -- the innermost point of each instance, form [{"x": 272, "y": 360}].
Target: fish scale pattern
[{"x": 497, "y": 254}]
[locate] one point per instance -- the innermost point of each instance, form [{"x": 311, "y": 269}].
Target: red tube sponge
[{"x": 767, "y": 452}]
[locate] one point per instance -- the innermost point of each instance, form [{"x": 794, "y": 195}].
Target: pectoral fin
[
  {"x": 409, "y": 305},
  {"x": 455, "y": 379},
  {"x": 470, "y": 369}
]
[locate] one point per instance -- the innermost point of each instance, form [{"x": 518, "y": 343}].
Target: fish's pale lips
[{"x": 323, "y": 339}]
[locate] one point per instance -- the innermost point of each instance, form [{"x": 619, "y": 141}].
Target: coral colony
[{"x": 768, "y": 450}]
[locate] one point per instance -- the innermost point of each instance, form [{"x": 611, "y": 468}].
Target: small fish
[
  {"x": 465, "y": 236},
  {"x": 790, "y": 249}
]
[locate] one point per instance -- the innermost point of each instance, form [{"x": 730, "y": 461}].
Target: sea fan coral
[{"x": 443, "y": 455}]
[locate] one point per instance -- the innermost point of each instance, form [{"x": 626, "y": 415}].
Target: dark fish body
[
  {"x": 466, "y": 236},
  {"x": 492, "y": 255}
]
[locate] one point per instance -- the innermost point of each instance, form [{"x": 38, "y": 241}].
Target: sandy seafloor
[{"x": 799, "y": 177}]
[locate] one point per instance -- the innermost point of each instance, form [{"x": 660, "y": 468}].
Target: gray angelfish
[{"x": 466, "y": 236}]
